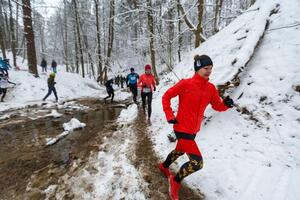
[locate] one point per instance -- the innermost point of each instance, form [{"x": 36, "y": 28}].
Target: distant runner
[
  {"x": 131, "y": 82},
  {"x": 147, "y": 83}
]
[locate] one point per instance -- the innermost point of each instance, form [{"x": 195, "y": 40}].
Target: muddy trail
[
  {"x": 27, "y": 162},
  {"x": 146, "y": 161},
  {"x": 28, "y": 166}
]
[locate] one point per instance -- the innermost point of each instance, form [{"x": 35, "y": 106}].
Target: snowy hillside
[
  {"x": 250, "y": 152},
  {"x": 253, "y": 154},
  {"x": 30, "y": 90}
]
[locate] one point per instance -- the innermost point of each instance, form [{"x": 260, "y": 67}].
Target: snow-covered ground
[
  {"x": 70, "y": 126},
  {"x": 30, "y": 90},
  {"x": 244, "y": 158},
  {"x": 110, "y": 174}
]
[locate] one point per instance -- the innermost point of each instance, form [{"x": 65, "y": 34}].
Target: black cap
[
  {"x": 131, "y": 69},
  {"x": 201, "y": 61}
]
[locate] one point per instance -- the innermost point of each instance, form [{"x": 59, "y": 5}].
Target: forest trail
[{"x": 146, "y": 161}]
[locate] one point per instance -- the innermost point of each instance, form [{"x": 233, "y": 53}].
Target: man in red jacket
[
  {"x": 147, "y": 83},
  {"x": 194, "y": 96}
]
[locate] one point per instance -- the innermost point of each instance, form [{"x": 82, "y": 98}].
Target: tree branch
[{"x": 187, "y": 21}]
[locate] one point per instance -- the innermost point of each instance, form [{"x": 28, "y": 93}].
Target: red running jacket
[
  {"x": 147, "y": 80},
  {"x": 194, "y": 95}
]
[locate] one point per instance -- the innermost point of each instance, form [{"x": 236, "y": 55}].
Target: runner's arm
[
  {"x": 166, "y": 99},
  {"x": 216, "y": 101}
]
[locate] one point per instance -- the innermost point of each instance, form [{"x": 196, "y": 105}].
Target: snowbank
[
  {"x": 70, "y": 126},
  {"x": 128, "y": 115},
  {"x": 31, "y": 90}
]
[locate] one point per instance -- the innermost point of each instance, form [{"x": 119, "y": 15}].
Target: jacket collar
[{"x": 199, "y": 78}]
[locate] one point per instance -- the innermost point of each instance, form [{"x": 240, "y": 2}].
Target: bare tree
[
  {"x": 77, "y": 19},
  {"x": 86, "y": 43},
  {"x": 17, "y": 23},
  {"x": 110, "y": 36},
  {"x": 171, "y": 34},
  {"x": 180, "y": 39},
  {"x": 29, "y": 35},
  {"x": 12, "y": 34},
  {"x": 217, "y": 15},
  {"x": 76, "y": 49},
  {"x": 197, "y": 30},
  {"x": 98, "y": 43},
  {"x": 2, "y": 34},
  {"x": 6, "y": 28},
  {"x": 65, "y": 38},
  {"x": 151, "y": 37}
]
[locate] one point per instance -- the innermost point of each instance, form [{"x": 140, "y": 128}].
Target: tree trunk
[
  {"x": 86, "y": 42},
  {"x": 180, "y": 39},
  {"x": 110, "y": 36},
  {"x": 2, "y": 44},
  {"x": 6, "y": 30},
  {"x": 42, "y": 38},
  {"x": 79, "y": 37},
  {"x": 196, "y": 30},
  {"x": 29, "y": 35},
  {"x": 76, "y": 50},
  {"x": 199, "y": 31},
  {"x": 217, "y": 15},
  {"x": 135, "y": 25},
  {"x": 151, "y": 36},
  {"x": 12, "y": 34},
  {"x": 2, "y": 35},
  {"x": 24, "y": 49},
  {"x": 171, "y": 35},
  {"x": 65, "y": 38},
  {"x": 17, "y": 24},
  {"x": 99, "y": 58},
  {"x": 21, "y": 49}
]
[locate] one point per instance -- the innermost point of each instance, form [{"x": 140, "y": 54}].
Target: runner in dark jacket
[
  {"x": 44, "y": 65},
  {"x": 109, "y": 89},
  {"x": 194, "y": 96},
  {"x": 54, "y": 66}
]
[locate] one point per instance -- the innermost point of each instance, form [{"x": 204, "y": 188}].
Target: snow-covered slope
[
  {"x": 254, "y": 155},
  {"x": 30, "y": 90}
]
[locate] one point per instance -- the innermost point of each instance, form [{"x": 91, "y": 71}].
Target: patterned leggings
[{"x": 195, "y": 164}]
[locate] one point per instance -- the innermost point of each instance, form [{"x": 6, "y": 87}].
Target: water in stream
[{"x": 24, "y": 156}]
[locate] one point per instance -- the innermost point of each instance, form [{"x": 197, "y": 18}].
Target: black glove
[
  {"x": 154, "y": 89},
  {"x": 228, "y": 102},
  {"x": 173, "y": 121}
]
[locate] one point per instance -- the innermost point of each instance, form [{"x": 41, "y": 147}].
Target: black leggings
[
  {"x": 195, "y": 164},
  {"x": 3, "y": 91},
  {"x": 110, "y": 94},
  {"x": 133, "y": 89},
  {"x": 149, "y": 101}
]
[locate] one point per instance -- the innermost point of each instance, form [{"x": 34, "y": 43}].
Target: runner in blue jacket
[{"x": 131, "y": 82}]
